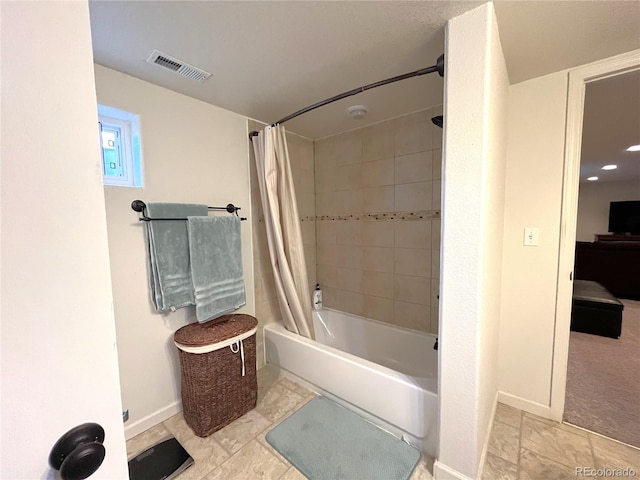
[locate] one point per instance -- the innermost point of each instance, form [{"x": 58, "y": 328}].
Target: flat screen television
[{"x": 624, "y": 217}]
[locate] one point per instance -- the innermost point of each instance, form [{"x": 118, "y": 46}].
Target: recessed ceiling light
[
  {"x": 592, "y": 179},
  {"x": 609, "y": 167},
  {"x": 634, "y": 148}
]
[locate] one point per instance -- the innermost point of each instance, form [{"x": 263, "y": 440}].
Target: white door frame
[{"x": 578, "y": 78}]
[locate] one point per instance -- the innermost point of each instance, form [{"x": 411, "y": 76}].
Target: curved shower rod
[{"x": 438, "y": 67}]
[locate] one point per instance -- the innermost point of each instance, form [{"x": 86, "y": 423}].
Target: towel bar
[{"x": 141, "y": 207}]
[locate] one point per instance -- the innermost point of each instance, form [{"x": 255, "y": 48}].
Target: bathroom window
[{"x": 120, "y": 147}]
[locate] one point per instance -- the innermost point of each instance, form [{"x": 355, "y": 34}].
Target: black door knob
[{"x": 79, "y": 452}]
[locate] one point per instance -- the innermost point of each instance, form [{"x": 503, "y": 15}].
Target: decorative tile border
[{"x": 418, "y": 215}]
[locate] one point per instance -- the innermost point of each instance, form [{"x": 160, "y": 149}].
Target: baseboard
[
  {"x": 152, "y": 420},
  {"x": 527, "y": 405},
  {"x": 487, "y": 436},
  {"x": 442, "y": 472}
]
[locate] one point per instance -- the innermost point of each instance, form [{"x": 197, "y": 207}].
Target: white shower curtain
[{"x": 283, "y": 229}]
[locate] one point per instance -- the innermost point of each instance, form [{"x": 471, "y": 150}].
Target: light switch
[{"x": 531, "y": 236}]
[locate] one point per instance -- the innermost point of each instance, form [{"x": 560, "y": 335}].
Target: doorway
[
  {"x": 579, "y": 79},
  {"x": 604, "y": 363}
]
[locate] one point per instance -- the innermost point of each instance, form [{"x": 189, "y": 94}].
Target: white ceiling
[
  {"x": 540, "y": 37},
  {"x": 611, "y": 124},
  {"x": 269, "y": 59}
]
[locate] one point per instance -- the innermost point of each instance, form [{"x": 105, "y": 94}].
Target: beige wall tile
[
  {"x": 377, "y": 142},
  {"x": 412, "y": 289},
  {"x": 436, "y": 201},
  {"x": 377, "y": 259},
  {"x": 348, "y": 147},
  {"x": 330, "y": 297},
  {"x": 378, "y": 284},
  {"x": 378, "y": 199},
  {"x": 350, "y": 302},
  {"x": 349, "y": 256},
  {"x": 327, "y": 275},
  {"x": 378, "y": 308},
  {"x": 327, "y": 254},
  {"x": 378, "y": 173},
  {"x": 268, "y": 311},
  {"x": 312, "y": 278},
  {"x": 435, "y": 291},
  {"x": 348, "y": 177},
  {"x": 377, "y": 234},
  {"x": 415, "y": 262},
  {"x": 311, "y": 261},
  {"x": 436, "y": 131},
  {"x": 435, "y": 233},
  {"x": 325, "y": 152},
  {"x": 413, "y": 133},
  {"x": 410, "y": 315},
  {"x": 347, "y": 201},
  {"x": 306, "y": 199},
  {"x": 265, "y": 286},
  {"x": 437, "y": 164},
  {"x": 326, "y": 203},
  {"x": 416, "y": 167},
  {"x": 325, "y": 178},
  {"x": 435, "y": 311},
  {"x": 435, "y": 264},
  {"x": 413, "y": 196},
  {"x": 308, "y": 232},
  {"x": 325, "y": 231},
  {"x": 307, "y": 163},
  {"x": 350, "y": 279},
  {"x": 412, "y": 233},
  {"x": 349, "y": 232}
]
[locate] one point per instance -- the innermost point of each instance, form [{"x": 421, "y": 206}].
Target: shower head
[{"x": 438, "y": 120}]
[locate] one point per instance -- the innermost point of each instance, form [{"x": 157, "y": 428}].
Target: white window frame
[{"x": 127, "y": 125}]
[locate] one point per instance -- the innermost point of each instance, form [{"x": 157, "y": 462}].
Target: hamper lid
[{"x": 205, "y": 334}]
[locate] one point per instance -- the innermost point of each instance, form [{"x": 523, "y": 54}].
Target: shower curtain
[{"x": 283, "y": 229}]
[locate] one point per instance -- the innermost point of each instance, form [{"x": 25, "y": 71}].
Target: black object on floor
[
  {"x": 595, "y": 310},
  {"x": 163, "y": 461}
]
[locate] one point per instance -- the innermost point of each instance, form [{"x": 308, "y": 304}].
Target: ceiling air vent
[{"x": 178, "y": 66}]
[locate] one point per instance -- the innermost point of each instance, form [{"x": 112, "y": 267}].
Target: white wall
[
  {"x": 59, "y": 359},
  {"x": 593, "y": 205},
  {"x": 474, "y": 144},
  {"x": 193, "y": 152},
  {"x": 535, "y": 146}
]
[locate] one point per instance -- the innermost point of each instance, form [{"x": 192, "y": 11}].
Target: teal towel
[
  {"x": 216, "y": 265},
  {"x": 168, "y": 254}
]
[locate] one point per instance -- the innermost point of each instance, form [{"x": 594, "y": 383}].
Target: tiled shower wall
[
  {"x": 378, "y": 220},
  {"x": 267, "y": 309}
]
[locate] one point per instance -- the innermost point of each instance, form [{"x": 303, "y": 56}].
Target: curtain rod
[{"x": 438, "y": 67}]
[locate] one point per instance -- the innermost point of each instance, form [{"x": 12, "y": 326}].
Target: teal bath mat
[{"x": 328, "y": 442}]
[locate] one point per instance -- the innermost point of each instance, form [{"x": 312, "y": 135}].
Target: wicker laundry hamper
[{"x": 218, "y": 365}]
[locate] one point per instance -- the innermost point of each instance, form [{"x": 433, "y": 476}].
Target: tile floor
[
  {"x": 239, "y": 451},
  {"x": 522, "y": 446},
  {"x": 527, "y": 447}
]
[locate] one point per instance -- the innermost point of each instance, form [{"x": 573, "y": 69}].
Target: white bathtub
[{"x": 386, "y": 373}]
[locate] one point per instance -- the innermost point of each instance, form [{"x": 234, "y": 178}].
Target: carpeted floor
[{"x": 603, "y": 380}]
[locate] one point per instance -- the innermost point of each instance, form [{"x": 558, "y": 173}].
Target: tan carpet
[{"x": 603, "y": 380}]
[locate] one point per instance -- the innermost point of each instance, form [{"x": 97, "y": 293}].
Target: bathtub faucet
[{"x": 435, "y": 345}]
